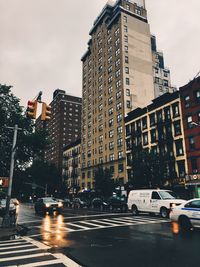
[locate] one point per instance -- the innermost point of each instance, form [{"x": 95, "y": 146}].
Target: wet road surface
[{"x": 97, "y": 239}]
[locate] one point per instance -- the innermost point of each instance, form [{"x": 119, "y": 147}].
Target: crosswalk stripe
[
  {"x": 13, "y": 240},
  {"x": 78, "y": 226},
  {"x": 23, "y": 246},
  {"x": 108, "y": 222},
  {"x": 43, "y": 263},
  {"x": 26, "y": 257},
  {"x": 11, "y": 244},
  {"x": 18, "y": 251},
  {"x": 91, "y": 223}
]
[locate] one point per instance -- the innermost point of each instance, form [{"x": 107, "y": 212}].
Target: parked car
[
  {"x": 99, "y": 203},
  {"x": 12, "y": 209},
  {"x": 115, "y": 203},
  {"x": 152, "y": 201},
  {"x": 67, "y": 202},
  {"x": 187, "y": 214},
  {"x": 47, "y": 204},
  {"x": 79, "y": 203}
]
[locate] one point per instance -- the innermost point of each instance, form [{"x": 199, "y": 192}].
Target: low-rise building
[{"x": 158, "y": 129}]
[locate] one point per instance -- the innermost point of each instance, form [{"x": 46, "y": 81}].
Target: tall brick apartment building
[
  {"x": 64, "y": 126},
  {"x": 190, "y": 102}
]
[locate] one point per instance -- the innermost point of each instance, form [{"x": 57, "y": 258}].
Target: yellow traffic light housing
[
  {"x": 31, "y": 111},
  {"x": 46, "y": 112}
]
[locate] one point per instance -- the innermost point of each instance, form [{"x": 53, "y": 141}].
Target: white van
[{"x": 152, "y": 201}]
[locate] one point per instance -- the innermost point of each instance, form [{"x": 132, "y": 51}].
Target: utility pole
[{"x": 7, "y": 220}]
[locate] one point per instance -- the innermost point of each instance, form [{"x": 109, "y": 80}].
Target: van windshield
[{"x": 167, "y": 195}]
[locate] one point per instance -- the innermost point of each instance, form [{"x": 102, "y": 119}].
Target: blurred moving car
[
  {"x": 187, "y": 214},
  {"x": 47, "y": 204},
  {"x": 12, "y": 210},
  {"x": 98, "y": 203},
  {"x": 115, "y": 203},
  {"x": 79, "y": 203}
]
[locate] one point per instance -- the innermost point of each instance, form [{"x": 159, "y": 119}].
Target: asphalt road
[{"x": 96, "y": 239}]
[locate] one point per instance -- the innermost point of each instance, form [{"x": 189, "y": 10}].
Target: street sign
[{"x": 3, "y": 181}]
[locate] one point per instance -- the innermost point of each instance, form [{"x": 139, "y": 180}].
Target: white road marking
[
  {"x": 37, "y": 264},
  {"x": 78, "y": 226},
  {"x": 91, "y": 223},
  {"x": 16, "y": 247},
  {"x": 26, "y": 256},
  {"x": 12, "y": 243},
  {"x": 18, "y": 251}
]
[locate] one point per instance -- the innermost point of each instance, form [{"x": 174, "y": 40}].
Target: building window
[
  {"x": 110, "y": 123},
  {"x": 127, "y": 70},
  {"x": 197, "y": 96},
  {"x": 125, "y": 19},
  {"x": 179, "y": 147},
  {"x": 128, "y": 92},
  {"x": 181, "y": 168},
  {"x": 194, "y": 165},
  {"x": 119, "y": 117},
  {"x": 119, "y": 142},
  {"x": 100, "y": 160},
  {"x": 187, "y": 101},
  {"x": 110, "y": 89},
  {"x": 120, "y": 168},
  {"x": 167, "y": 113},
  {"x": 126, "y": 59},
  {"x": 110, "y": 111},
  {"x": 126, "y": 48},
  {"x": 177, "y": 128},
  {"x": 117, "y": 32},
  {"x": 111, "y": 145},
  {"x": 152, "y": 119},
  {"x": 125, "y": 38},
  {"x": 100, "y": 138},
  {"x": 127, "y": 7},
  {"x": 120, "y": 154},
  {"x": 144, "y": 123},
  {"x": 127, "y": 81},
  {"x": 110, "y": 100},
  {"x": 128, "y": 103},
  {"x": 145, "y": 139},
  {"x": 117, "y": 73},
  {"x": 153, "y": 136},
  {"x": 165, "y": 83},
  {"x": 111, "y": 157},
  {"x": 100, "y": 149},
  {"x": 119, "y": 130},
  {"x": 119, "y": 106},
  {"x": 189, "y": 122},
  {"x": 118, "y": 94},
  {"x": 111, "y": 134},
  {"x": 125, "y": 28},
  {"x": 191, "y": 142},
  {"x": 117, "y": 63},
  {"x": 175, "y": 110},
  {"x": 117, "y": 52}
]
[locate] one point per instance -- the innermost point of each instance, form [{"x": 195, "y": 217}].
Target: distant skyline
[{"x": 42, "y": 42}]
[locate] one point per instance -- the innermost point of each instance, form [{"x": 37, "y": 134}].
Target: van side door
[{"x": 155, "y": 202}]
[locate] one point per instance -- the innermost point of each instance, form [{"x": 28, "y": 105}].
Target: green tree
[
  {"x": 104, "y": 184},
  {"x": 30, "y": 144}
]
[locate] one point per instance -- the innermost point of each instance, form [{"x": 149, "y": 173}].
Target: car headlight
[
  {"x": 60, "y": 204},
  {"x": 47, "y": 205}
]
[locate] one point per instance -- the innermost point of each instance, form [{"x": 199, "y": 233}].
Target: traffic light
[
  {"x": 46, "y": 112},
  {"x": 3, "y": 182},
  {"x": 31, "y": 111}
]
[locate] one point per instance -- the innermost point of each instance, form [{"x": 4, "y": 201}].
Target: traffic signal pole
[{"x": 7, "y": 220}]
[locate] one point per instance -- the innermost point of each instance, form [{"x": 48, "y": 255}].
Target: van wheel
[
  {"x": 164, "y": 212},
  {"x": 135, "y": 210},
  {"x": 184, "y": 223}
]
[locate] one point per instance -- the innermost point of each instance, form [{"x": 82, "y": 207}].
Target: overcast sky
[{"x": 42, "y": 41}]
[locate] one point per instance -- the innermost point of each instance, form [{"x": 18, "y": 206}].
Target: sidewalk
[{"x": 7, "y": 233}]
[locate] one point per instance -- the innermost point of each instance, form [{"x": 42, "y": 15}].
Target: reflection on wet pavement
[{"x": 53, "y": 231}]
